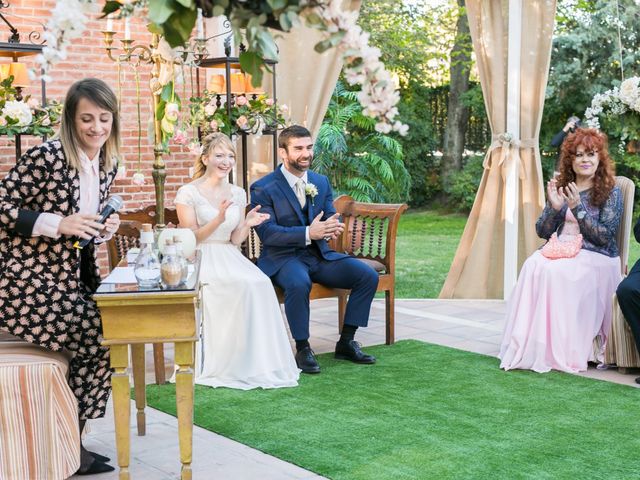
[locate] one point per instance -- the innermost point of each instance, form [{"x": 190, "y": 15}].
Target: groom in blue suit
[{"x": 295, "y": 251}]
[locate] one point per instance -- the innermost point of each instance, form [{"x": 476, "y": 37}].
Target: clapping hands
[
  {"x": 222, "y": 210},
  {"x": 558, "y": 195},
  {"x": 328, "y": 229},
  {"x": 255, "y": 218}
]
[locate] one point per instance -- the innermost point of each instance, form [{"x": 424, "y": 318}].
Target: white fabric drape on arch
[{"x": 477, "y": 270}]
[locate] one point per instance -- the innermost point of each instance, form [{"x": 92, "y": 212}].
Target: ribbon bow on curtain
[{"x": 510, "y": 153}]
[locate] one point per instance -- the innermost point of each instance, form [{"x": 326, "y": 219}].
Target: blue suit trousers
[{"x": 297, "y": 274}]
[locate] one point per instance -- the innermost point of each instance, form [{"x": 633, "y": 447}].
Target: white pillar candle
[
  {"x": 127, "y": 31},
  {"x": 200, "y": 25},
  {"x": 109, "y": 23}
]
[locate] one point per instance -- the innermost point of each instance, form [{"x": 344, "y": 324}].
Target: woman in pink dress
[{"x": 560, "y": 305}]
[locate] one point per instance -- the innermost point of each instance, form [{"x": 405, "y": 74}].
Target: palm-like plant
[{"x": 358, "y": 160}]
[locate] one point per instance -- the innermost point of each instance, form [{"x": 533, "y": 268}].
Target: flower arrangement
[
  {"x": 170, "y": 74},
  {"x": 617, "y": 111},
  {"x": 177, "y": 18},
  {"x": 250, "y": 115},
  {"x": 26, "y": 115}
]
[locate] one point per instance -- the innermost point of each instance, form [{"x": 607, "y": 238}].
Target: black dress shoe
[
  {"x": 100, "y": 458},
  {"x": 95, "y": 468},
  {"x": 638, "y": 380},
  {"x": 306, "y": 361},
  {"x": 351, "y": 351}
]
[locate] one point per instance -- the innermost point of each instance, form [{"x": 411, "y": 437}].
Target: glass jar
[
  {"x": 147, "y": 267},
  {"x": 171, "y": 267}
]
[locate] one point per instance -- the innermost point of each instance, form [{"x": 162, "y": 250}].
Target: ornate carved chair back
[
  {"x": 370, "y": 231},
  {"x": 128, "y": 235}
]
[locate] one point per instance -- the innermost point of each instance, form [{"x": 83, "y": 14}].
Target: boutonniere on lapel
[{"x": 310, "y": 190}]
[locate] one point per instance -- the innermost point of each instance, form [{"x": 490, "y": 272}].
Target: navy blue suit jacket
[{"x": 283, "y": 235}]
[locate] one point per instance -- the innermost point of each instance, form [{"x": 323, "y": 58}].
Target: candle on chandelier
[
  {"x": 109, "y": 23},
  {"x": 127, "y": 31},
  {"x": 200, "y": 25}
]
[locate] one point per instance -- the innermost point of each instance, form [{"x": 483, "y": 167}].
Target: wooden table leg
[
  {"x": 138, "y": 361},
  {"x": 184, "y": 402},
  {"x": 121, "y": 405}
]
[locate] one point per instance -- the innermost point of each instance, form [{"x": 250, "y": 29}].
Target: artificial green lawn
[{"x": 431, "y": 412}]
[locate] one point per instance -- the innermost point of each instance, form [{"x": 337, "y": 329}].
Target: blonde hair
[
  {"x": 100, "y": 94},
  {"x": 209, "y": 144}
]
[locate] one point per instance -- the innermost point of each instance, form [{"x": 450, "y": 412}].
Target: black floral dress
[{"x": 46, "y": 284}]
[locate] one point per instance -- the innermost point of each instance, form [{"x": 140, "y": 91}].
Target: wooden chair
[
  {"x": 621, "y": 347},
  {"x": 369, "y": 235},
  {"x": 127, "y": 237}
]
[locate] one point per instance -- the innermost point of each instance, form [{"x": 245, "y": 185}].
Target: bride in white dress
[{"x": 244, "y": 342}]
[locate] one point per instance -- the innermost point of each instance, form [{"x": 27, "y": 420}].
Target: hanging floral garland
[{"x": 175, "y": 19}]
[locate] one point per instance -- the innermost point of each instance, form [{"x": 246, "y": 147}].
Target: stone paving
[{"x": 472, "y": 325}]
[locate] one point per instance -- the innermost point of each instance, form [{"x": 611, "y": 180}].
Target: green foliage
[
  {"x": 251, "y": 20},
  {"x": 464, "y": 184},
  {"x": 415, "y": 38},
  {"x": 585, "y": 59},
  {"x": 419, "y": 144},
  {"x": 358, "y": 160}
]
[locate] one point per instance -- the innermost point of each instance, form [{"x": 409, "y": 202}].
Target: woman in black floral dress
[{"x": 48, "y": 200}]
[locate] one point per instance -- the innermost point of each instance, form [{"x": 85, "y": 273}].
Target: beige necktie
[{"x": 299, "y": 189}]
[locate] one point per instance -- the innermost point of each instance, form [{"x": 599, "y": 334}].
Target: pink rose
[
  {"x": 210, "y": 109},
  {"x": 33, "y": 103},
  {"x": 241, "y": 100},
  {"x": 242, "y": 122},
  {"x": 269, "y": 102},
  {"x": 213, "y": 125},
  {"x": 3, "y": 121},
  {"x": 180, "y": 137}
]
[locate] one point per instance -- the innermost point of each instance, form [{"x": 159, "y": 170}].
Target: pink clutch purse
[{"x": 556, "y": 248}]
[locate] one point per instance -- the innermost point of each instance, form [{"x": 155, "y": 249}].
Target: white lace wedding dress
[{"x": 244, "y": 340}]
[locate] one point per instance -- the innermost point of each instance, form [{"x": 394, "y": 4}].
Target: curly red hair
[{"x": 603, "y": 180}]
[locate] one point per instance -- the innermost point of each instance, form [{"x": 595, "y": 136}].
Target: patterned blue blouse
[{"x": 598, "y": 226}]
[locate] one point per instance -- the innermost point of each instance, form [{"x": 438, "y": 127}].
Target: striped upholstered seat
[
  {"x": 39, "y": 438},
  {"x": 621, "y": 348}
]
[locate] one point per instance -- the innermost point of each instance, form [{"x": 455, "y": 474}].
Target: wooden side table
[{"x": 133, "y": 317}]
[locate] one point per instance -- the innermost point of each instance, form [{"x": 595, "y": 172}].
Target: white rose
[{"x": 19, "y": 111}]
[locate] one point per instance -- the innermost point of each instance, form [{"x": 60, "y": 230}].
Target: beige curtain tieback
[
  {"x": 300, "y": 193},
  {"x": 510, "y": 153}
]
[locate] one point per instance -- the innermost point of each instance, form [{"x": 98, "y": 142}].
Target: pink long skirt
[{"x": 557, "y": 309}]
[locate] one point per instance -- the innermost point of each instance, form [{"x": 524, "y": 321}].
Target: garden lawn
[
  {"x": 431, "y": 412},
  {"x": 426, "y": 244}
]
